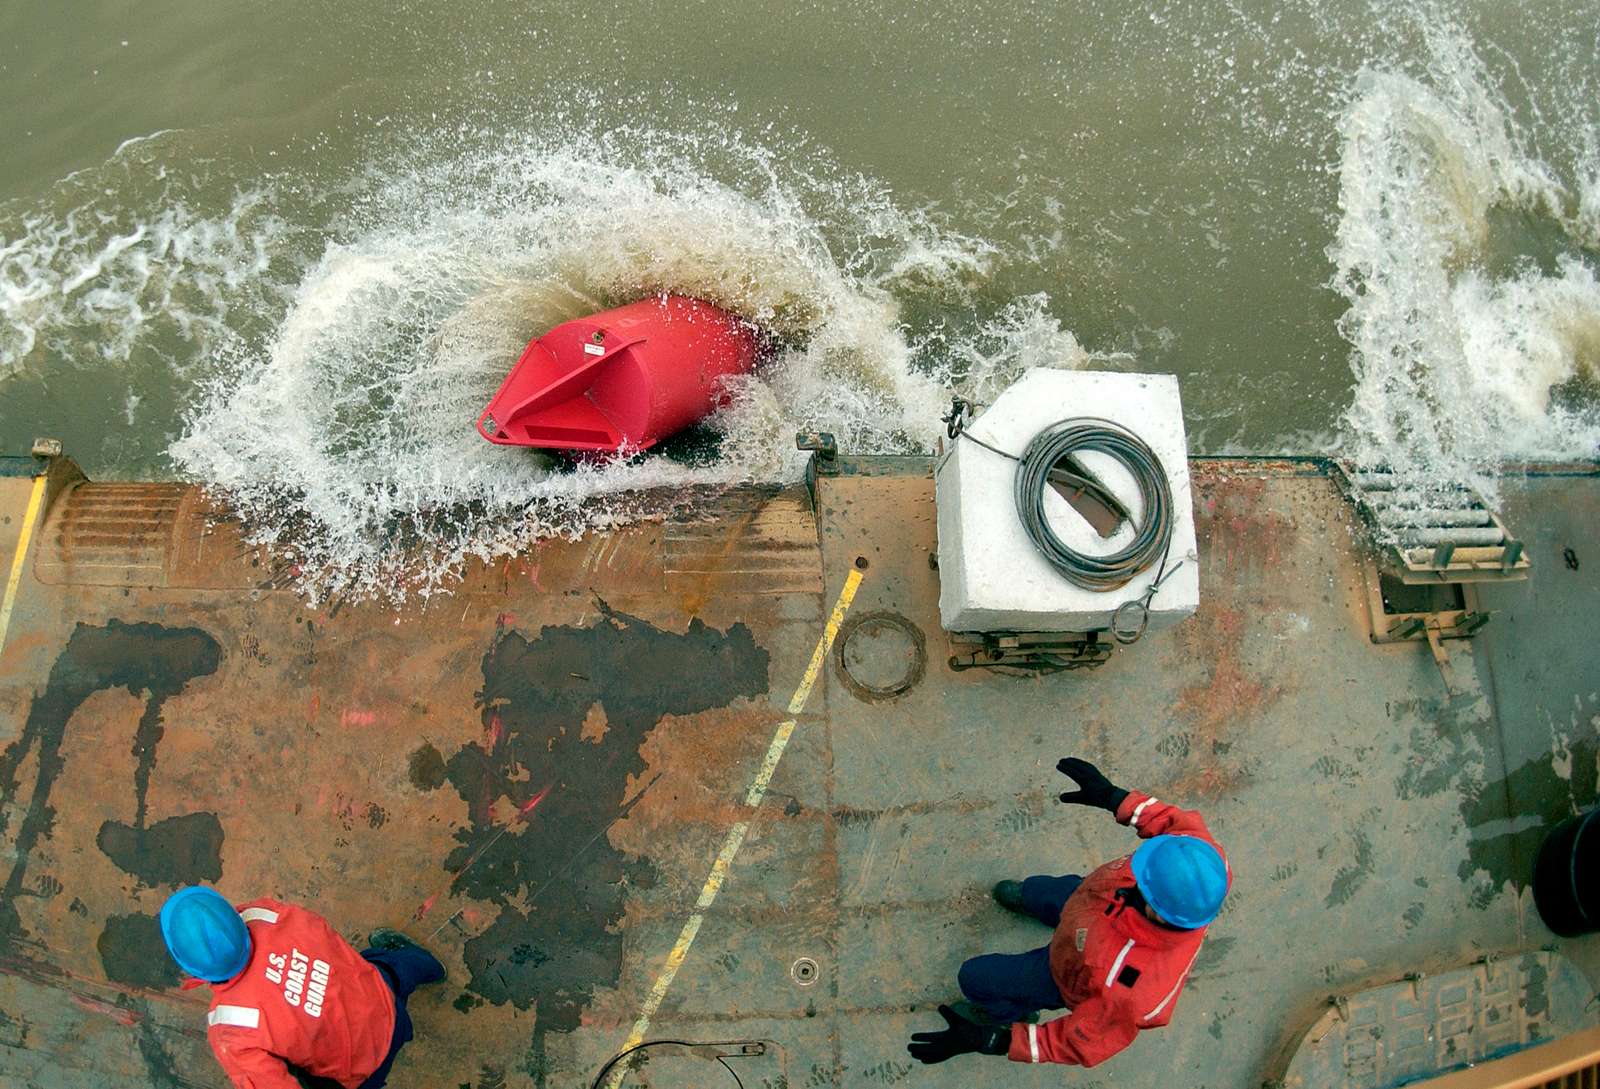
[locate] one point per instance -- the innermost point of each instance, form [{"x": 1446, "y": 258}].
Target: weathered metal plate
[
  {"x": 375, "y": 764},
  {"x": 1395, "y": 1035}
]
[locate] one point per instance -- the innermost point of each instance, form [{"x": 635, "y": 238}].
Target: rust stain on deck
[
  {"x": 1230, "y": 693},
  {"x": 1239, "y": 530},
  {"x": 1240, "y": 534},
  {"x": 1229, "y": 698}
]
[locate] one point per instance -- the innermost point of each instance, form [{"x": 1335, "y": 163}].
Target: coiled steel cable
[
  {"x": 1153, "y": 530},
  {"x": 1044, "y": 453}
]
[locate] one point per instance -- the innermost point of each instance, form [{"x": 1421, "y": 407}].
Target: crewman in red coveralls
[
  {"x": 1125, "y": 939},
  {"x": 292, "y": 1002}
]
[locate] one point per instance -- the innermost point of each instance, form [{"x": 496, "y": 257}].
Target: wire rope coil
[{"x": 1153, "y": 528}]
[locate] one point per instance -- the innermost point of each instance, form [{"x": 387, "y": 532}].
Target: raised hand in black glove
[
  {"x": 961, "y": 1037},
  {"x": 1093, "y": 788}
]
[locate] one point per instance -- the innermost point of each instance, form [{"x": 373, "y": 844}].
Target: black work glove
[
  {"x": 962, "y": 1036},
  {"x": 1093, "y": 788}
]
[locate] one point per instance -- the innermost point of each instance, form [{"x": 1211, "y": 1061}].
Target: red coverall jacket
[
  {"x": 1118, "y": 971},
  {"x": 306, "y": 998}
]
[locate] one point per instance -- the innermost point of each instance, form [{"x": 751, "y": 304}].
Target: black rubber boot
[
  {"x": 385, "y": 938},
  {"x": 1008, "y": 894}
]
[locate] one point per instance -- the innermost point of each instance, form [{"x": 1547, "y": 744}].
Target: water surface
[{"x": 290, "y": 251}]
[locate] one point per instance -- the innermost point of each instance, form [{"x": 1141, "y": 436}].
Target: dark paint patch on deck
[
  {"x": 1507, "y": 817},
  {"x": 558, "y": 944},
  {"x": 143, "y": 658},
  {"x": 1537, "y": 796},
  {"x": 426, "y": 768},
  {"x": 132, "y": 952},
  {"x": 184, "y": 850}
]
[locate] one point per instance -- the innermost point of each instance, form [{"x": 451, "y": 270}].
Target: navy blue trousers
[
  {"x": 404, "y": 970},
  {"x": 1010, "y": 986}
]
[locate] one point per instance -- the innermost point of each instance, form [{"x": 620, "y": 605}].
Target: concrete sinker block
[{"x": 992, "y": 578}]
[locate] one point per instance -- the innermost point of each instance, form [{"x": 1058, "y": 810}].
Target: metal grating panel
[{"x": 1444, "y": 533}]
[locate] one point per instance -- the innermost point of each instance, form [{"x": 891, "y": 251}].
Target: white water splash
[
  {"x": 1456, "y": 366},
  {"x": 355, "y": 420}
]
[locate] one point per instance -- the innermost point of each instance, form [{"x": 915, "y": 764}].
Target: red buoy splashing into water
[{"x": 623, "y": 379}]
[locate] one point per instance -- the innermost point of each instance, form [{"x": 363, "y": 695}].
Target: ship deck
[{"x": 546, "y": 775}]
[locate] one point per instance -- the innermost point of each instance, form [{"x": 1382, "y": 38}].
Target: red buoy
[{"x": 623, "y": 379}]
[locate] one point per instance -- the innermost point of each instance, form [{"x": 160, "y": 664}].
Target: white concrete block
[{"x": 991, "y": 576}]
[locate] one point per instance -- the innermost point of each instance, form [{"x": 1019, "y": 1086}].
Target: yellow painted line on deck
[
  {"x": 35, "y": 501},
  {"x": 735, "y": 838}
]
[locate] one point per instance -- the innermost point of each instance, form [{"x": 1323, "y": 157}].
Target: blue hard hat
[
  {"x": 204, "y": 934},
  {"x": 1183, "y": 878}
]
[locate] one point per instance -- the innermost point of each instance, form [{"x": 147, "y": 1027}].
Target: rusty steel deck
[{"x": 548, "y": 775}]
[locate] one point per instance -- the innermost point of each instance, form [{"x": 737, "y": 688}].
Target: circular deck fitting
[
  {"x": 881, "y": 655},
  {"x": 805, "y": 971}
]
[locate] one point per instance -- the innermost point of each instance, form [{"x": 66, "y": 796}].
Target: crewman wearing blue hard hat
[
  {"x": 290, "y": 996},
  {"x": 1126, "y": 937}
]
